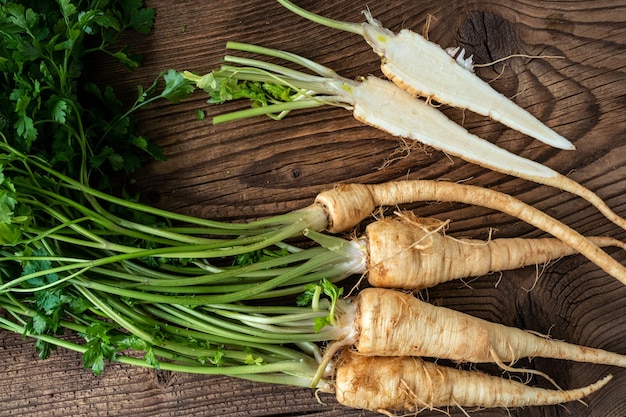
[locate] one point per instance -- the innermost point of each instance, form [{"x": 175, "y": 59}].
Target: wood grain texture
[{"x": 259, "y": 167}]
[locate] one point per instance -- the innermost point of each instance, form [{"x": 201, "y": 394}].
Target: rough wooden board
[{"x": 259, "y": 167}]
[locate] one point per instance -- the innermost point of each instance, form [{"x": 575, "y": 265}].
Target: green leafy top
[
  {"x": 44, "y": 47},
  {"x": 184, "y": 291},
  {"x": 223, "y": 86}
]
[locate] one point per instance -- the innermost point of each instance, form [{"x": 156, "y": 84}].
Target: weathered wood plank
[{"x": 259, "y": 167}]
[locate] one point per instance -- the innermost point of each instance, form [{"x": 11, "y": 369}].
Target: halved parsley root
[
  {"x": 275, "y": 90},
  {"x": 410, "y": 385},
  {"x": 425, "y": 69}
]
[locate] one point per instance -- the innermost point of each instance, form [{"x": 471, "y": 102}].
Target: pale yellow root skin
[
  {"x": 393, "y": 384},
  {"x": 409, "y": 252},
  {"x": 393, "y": 323},
  {"x": 348, "y": 205}
]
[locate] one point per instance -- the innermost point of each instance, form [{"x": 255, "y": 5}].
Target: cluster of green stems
[
  {"x": 192, "y": 294},
  {"x": 172, "y": 283}
]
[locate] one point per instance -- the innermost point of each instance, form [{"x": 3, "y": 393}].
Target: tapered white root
[
  {"x": 383, "y": 105},
  {"x": 425, "y": 69},
  {"x": 393, "y": 323},
  {"x": 409, "y": 252},
  {"x": 412, "y": 384},
  {"x": 348, "y": 205}
]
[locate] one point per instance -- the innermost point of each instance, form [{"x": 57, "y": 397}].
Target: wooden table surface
[{"x": 259, "y": 167}]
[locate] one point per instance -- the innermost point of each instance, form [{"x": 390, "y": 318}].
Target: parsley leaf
[
  {"x": 311, "y": 297},
  {"x": 42, "y": 83},
  {"x": 139, "y": 18},
  {"x": 100, "y": 337},
  {"x": 176, "y": 86}
]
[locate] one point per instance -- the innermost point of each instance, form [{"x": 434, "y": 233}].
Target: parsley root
[
  {"x": 422, "y": 329},
  {"x": 387, "y": 384},
  {"x": 412, "y": 253}
]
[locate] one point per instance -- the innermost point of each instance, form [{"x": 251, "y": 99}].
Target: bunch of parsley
[
  {"x": 47, "y": 109},
  {"x": 122, "y": 275},
  {"x": 57, "y": 127}
]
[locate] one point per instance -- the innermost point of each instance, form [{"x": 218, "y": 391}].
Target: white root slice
[
  {"x": 347, "y": 205},
  {"x": 383, "y": 105},
  {"x": 409, "y": 385},
  {"x": 393, "y": 110},
  {"x": 423, "y": 68}
]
